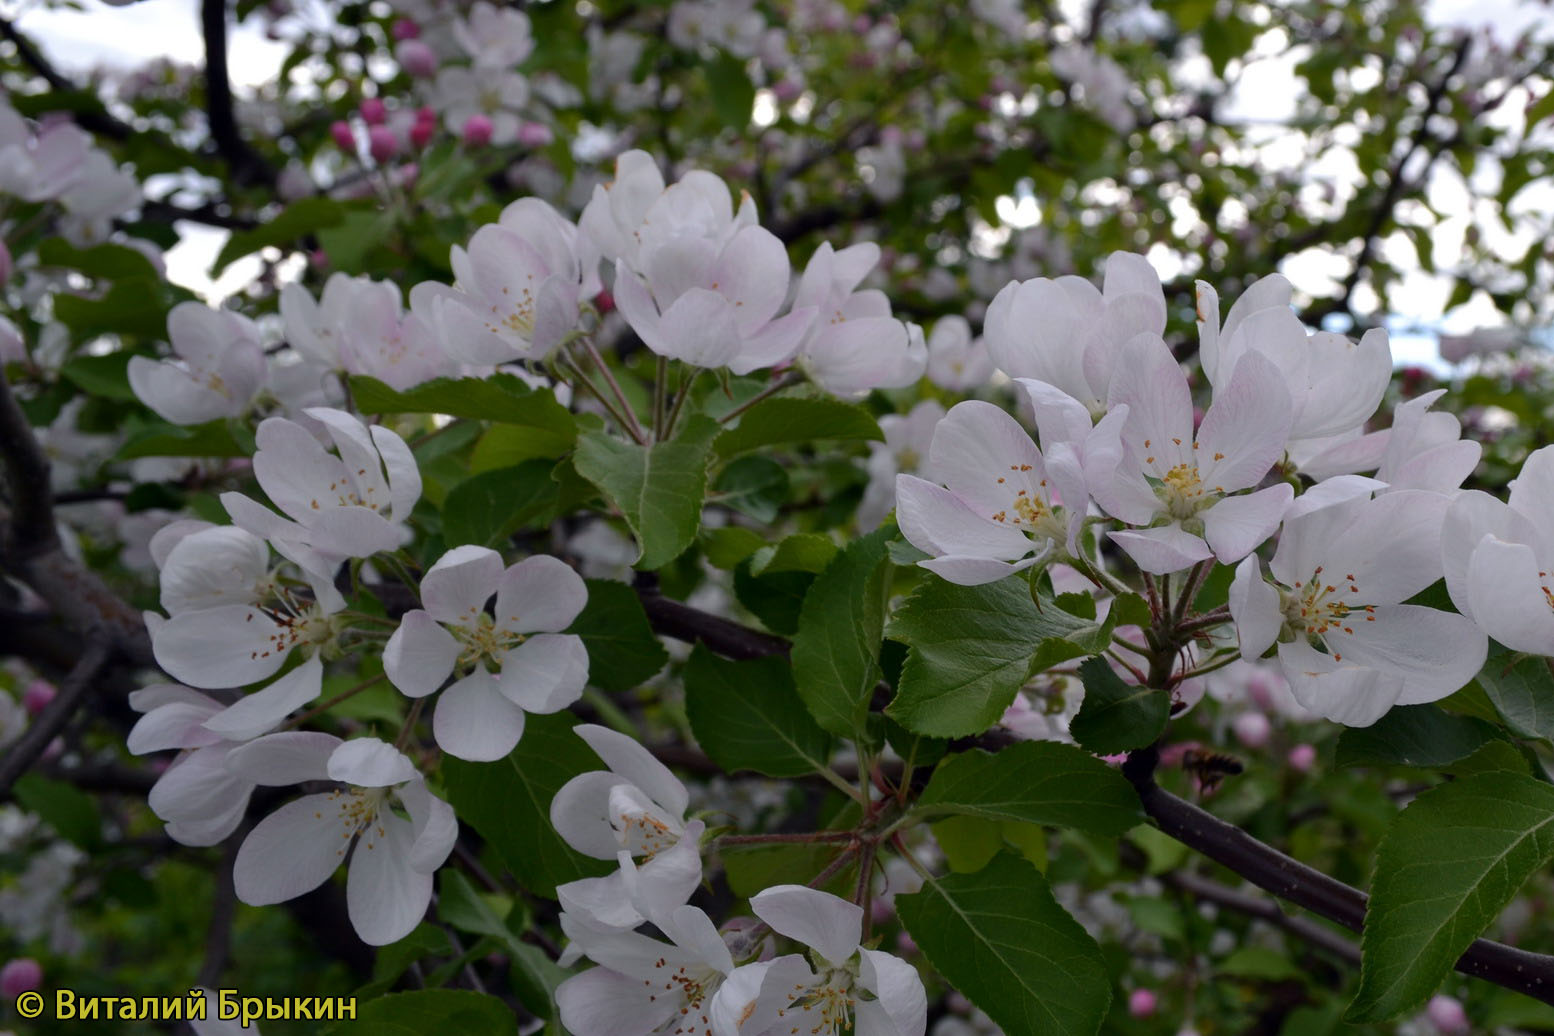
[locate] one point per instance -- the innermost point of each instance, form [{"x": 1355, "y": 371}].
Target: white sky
[{"x": 124, "y": 37}]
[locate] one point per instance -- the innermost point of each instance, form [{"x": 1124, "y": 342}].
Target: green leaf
[
  {"x": 133, "y": 306},
  {"x": 733, "y": 95},
  {"x": 747, "y": 716},
  {"x": 106, "y": 261},
  {"x": 802, "y": 552},
  {"x": 459, "y": 905},
  {"x": 508, "y": 802},
  {"x": 968, "y": 843},
  {"x": 486, "y": 509},
  {"x": 784, "y": 420},
  {"x": 775, "y": 598},
  {"x": 71, "y": 812},
  {"x": 657, "y": 488},
  {"x": 1040, "y": 782},
  {"x": 296, "y": 221},
  {"x": 971, "y": 649},
  {"x": 549, "y": 429},
  {"x": 1004, "y": 942},
  {"x": 622, "y": 648},
  {"x": 1522, "y": 690},
  {"x": 728, "y": 546},
  {"x": 503, "y": 445},
  {"x": 212, "y": 439},
  {"x": 431, "y": 1012},
  {"x": 1259, "y": 962},
  {"x": 1445, "y": 869},
  {"x": 756, "y": 486},
  {"x": 1116, "y": 716},
  {"x": 101, "y": 375},
  {"x": 1414, "y": 735},
  {"x": 837, "y": 648}
]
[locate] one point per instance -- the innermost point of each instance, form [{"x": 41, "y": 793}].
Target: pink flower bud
[
  {"x": 1252, "y": 729},
  {"x": 1447, "y": 1015},
  {"x": 426, "y": 113},
  {"x": 477, "y": 131},
  {"x": 19, "y": 976},
  {"x": 55, "y": 749},
  {"x": 382, "y": 143},
  {"x": 905, "y": 944},
  {"x": 862, "y": 24},
  {"x": 535, "y": 134},
  {"x": 406, "y": 29},
  {"x": 1302, "y": 758},
  {"x": 881, "y": 909},
  {"x": 345, "y": 139},
  {"x": 422, "y": 132},
  {"x": 319, "y": 258},
  {"x": 38, "y": 694},
  {"x": 604, "y": 302},
  {"x": 1142, "y": 1003},
  {"x": 416, "y": 58},
  {"x": 373, "y": 111},
  {"x": 957, "y": 1003},
  {"x": 787, "y": 90}
]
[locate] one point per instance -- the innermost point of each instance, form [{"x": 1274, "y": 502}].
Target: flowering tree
[{"x": 752, "y": 518}]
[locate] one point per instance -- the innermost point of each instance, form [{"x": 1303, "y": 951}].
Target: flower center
[
  {"x": 827, "y": 1005},
  {"x": 1320, "y": 607},
  {"x": 644, "y": 834},
  {"x": 691, "y": 986},
  {"x": 357, "y": 809},
  {"x": 483, "y": 638}
]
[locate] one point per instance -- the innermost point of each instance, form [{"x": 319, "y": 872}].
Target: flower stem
[
  {"x": 332, "y": 702},
  {"x": 801, "y": 837},
  {"x": 615, "y": 386},
  {"x": 786, "y": 381}
]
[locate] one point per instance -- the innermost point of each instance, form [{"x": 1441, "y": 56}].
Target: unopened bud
[
  {"x": 1142, "y": 1003},
  {"x": 37, "y": 695},
  {"x": 373, "y": 111},
  {"x": 345, "y": 138},
  {"x": 382, "y": 142},
  {"x": 18, "y": 976},
  {"x": 416, "y": 58},
  {"x": 1252, "y": 729},
  {"x": 406, "y": 29},
  {"x": 477, "y": 131},
  {"x": 1447, "y": 1015},
  {"x": 1302, "y": 758}
]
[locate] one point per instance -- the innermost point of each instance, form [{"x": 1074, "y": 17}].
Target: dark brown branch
[
  {"x": 223, "y": 908},
  {"x": 48, "y": 724},
  {"x": 247, "y": 167},
  {"x": 27, "y": 481},
  {"x": 99, "y": 122},
  {"x": 1306, "y": 930},
  {"x": 682, "y": 622},
  {"x": 1291, "y": 880},
  {"x": 210, "y": 214}
]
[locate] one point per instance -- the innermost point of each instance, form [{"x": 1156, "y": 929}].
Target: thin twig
[{"x": 38, "y": 736}]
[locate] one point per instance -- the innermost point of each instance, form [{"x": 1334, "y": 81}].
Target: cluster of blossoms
[
  {"x": 1121, "y": 445},
  {"x": 59, "y": 163},
  {"x": 696, "y": 980}
]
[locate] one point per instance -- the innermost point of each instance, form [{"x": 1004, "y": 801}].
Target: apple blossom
[
  {"x": 1003, "y": 504},
  {"x": 537, "y": 667},
  {"x": 218, "y": 369},
  {"x": 496, "y": 94},
  {"x": 1175, "y": 485},
  {"x": 296, "y": 848},
  {"x": 637, "y": 805},
  {"x": 1342, "y": 574},
  {"x": 854, "y": 344},
  {"x": 18, "y": 976},
  {"x": 908, "y": 438},
  {"x": 852, "y": 989},
  {"x": 956, "y": 361},
  {"x": 496, "y": 37}
]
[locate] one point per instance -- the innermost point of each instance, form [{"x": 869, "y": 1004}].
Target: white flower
[
  {"x": 347, "y": 506},
  {"x": 636, "y": 806},
  {"x": 731, "y": 25},
  {"x": 496, "y": 37},
  {"x": 538, "y": 668},
  {"x": 851, "y": 990},
  {"x": 1152, "y": 469},
  {"x": 956, "y": 361},
  {"x": 100, "y": 192},
  {"x": 1065, "y": 333},
  {"x": 908, "y": 438},
  {"x": 314, "y": 327},
  {"x": 1103, "y": 85},
  {"x": 41, "y": 167},
  {"x": 632, "y": 895},
  {"x": 295, "y": 849},
  {"x": 219, "y": 368},
  {"x": 1497, "y": 557},
  {"x": 854, "y": 344},
  {"x": 1343, "y": 571},
  {"x": 1421, "y": 450},
  {"x": 499, "y": 94},
  {"x": 1001, "y": 499},
  {"x": 517, "y": 289}
]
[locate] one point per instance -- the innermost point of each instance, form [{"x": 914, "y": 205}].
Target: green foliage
[
  {"x": 430, "y": 1012},
  {"x": 487, "y": 508},
  {"x": 1040, "y": 782},
  {"x": 1116, "y": 716},
  {"x": 1448, "y": 865},
  {"x": 622, "y": 648},
  {"x": 1003, "y": 941},
  {"x": 836, "y": 650},
  {"x": 1415, "y": 735},
  {"x": 785, "y": 421},
  {"x": 657, "y": 488},
  {"x": 747, "y": 716},
  {"x": 1522, "y": 690},
  {"x": 300, "y": 218}
]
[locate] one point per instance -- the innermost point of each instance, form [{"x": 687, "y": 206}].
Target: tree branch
[
  {"x": 72, "y": 693},
  {"x": 99, "y": 122},
  {"x": 247, "y": 166}
]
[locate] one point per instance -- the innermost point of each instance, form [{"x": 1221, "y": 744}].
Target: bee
[{"x": 1210, "y": 768}]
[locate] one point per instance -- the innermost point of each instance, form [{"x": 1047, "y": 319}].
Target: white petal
[
  {"x": 253, "y": 714},
  {"x": 290, "y": 852},
  {"x": 1433, "y": 652},
  {"x": 289, "y": 757},
  {"x": 545, "y": 673},
  {"x": 1254, "y": 605},
  {"x": 213, "y": 567},
  {"x": 455, "y": 589},
  {"x": 627, "y": 758},
  {"x": 474, "y": 721},
  {"x": 420, "y": 654},
  {"x": 899, "y": 995},
  {"x": 935, "y": 520},
  {"x": 827, "y": 923},
  {"x": 369, "y": 762},
  {"x": 1237, "y": 525},
  {"x": 1353, "y": 695},
  {"x": 176, "y": 724},
  {"x": 227, "y": 646},
  {"x": 1164, "y": 550},
  {"x": 1506, "y": 596},
  {"x": 384, "y": 895},
  {"x": 539, "y": 594},
  {"x": 436, "y": 827},
  {"x": 970, "y": 571},
  {"x": 601, "y": 1002},
  {"x": 1246, "y": 426},
  {"x": 580, "y": 813}
]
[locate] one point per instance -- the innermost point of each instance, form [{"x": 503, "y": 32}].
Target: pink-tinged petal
[
  {"x": 352, "y": 532},
  {"x": 580, "y": 813},
  {"x": 1127, "y": 273},
  {"x": 455, "y": 589},
  {"x": 1353, "y": 695},
  {"x": 637, "y": 307},
  {"x": 370, "y": 762},
  {"x": 260, "y": 520},
  {"x": 220, "y": 647},
  {"x": 1164, "y": 550},
  {"x": 699, "y": 328},
  {"x": 973, "y": 571},
  {"x": 1150, "y": 383},
  {"x": 197, "y": 787},
  {"x": 1113, "y": 478},
  {"x": 210, "y": 829},
  {"x": 298, "y": 475},
  {"x": 1059, "y": 416},
  {"x": 154, "y": 696},
  {"x": 178, "y": 724},
  {"x": 935, "y": 520},
  {"x": 1348, "y": 380},
  {"x": 1340, "y": 489},
  {"x": 627, "y": 758},
  {"x": 1441, "y": 469},
  {"x": 213, "y": 567},
  {"x": 474, "y": 721},
  {"x": 775, "y": 343},
  {"x": 860, "y": 354},
  {"x": 404, "y": 476},
  {"x": 1433, "y": 652},
  {"x": 539, "y": 594},
  {"x": 1388, "y": 548},
  {"x": 435, "y": 826},
  {"x": 1254, "y": 605},
  {"x": 363, "y": 466},
  {"x": 173, "y": 533},
  {"x": 420, "y": 654},
  {"x": 384, "y": 896},
  {"x": 289, "y": 757},
  {"x": 604, "y": 1001},
  {"x": 691, "y": 929},
  {"x": 545, "y": 673},
  {"x": 253, "y": 714},
  {"x": 292, "y": 851},
  {"x": 753, "y": 272},
  {"x": 898, "y": 995},
  {"x": 1471, "y": 516},
  {"x": 1342, "y": 454},
  {"x": 1507, "y": 598},
  {"x": 1122, "y": 319},
  {"x": 1532, "y": 494},
  {"x": 1247, "y": 425},
  {"x": 1237, "y": 525},
  {"x": 603, "y": 901},
  {"x": 987, "y": 460},
  {"x": 177, "y": 395},
  {"x": 826, "y": 923},
  {"x": 1067, "y": 489}
]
